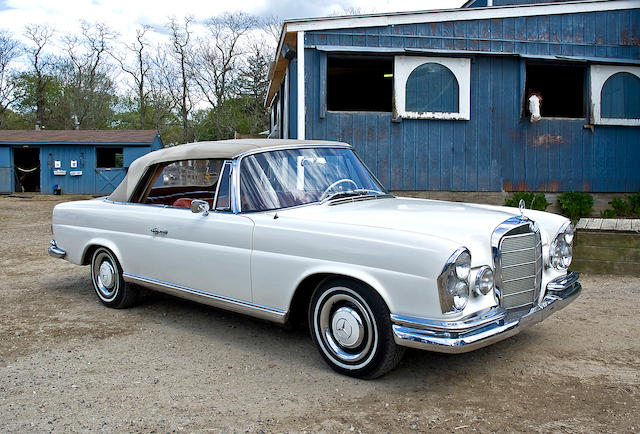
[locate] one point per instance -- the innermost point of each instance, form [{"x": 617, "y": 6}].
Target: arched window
[
  {"x": 620, "y": 96},
  {"x": 615, "y": 95},
  {"x": 432, "y": 87}
]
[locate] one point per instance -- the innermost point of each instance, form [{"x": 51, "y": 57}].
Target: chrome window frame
[{"x": 225, "y": 163}]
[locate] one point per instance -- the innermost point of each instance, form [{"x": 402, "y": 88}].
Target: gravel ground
[{"x": 69, "y": 364}]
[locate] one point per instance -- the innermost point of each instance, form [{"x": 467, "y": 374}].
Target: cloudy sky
[{"x": 126, "y": 15}]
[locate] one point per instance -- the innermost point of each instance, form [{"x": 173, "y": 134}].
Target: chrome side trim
[
  {"x": 485, "y": 328},
  {"x": 240, "y": 306},
  {"x": 56, "y": 251}
]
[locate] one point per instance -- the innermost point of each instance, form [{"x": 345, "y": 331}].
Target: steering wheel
[{"x": 324, "y": 194}]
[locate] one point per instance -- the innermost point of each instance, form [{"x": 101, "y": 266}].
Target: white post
[{"x": 300, "y": 49}]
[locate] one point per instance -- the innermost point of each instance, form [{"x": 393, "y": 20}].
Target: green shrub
[
  {"x": 576, "y": 204},
  {"x": 629, "y": 207},
  {"x": 531, "y": 200},
  {"x": 620, "y": 207},
  {"x": 634, "y": 203},
  {"x": 607, "y": 214}
]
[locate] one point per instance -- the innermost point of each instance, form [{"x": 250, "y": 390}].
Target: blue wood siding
[
  {"x": 613, "y": 34},
  {"x": 620, "y": 97},
  {"x": 6, "y": 172},
  {"x": 498, "y": 148}
]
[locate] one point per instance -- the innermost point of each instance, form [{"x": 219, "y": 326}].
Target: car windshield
[{"x": 281, "y": 179}]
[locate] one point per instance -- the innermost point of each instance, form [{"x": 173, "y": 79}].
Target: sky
[{"x": 125, "y": 15}]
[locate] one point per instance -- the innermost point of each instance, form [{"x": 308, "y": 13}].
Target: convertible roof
[{"x": 224, "y": 149}]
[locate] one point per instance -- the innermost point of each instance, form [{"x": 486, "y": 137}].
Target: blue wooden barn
[
  {"x": 75, "y": 161},
  {"x": 446, "y": 100}
]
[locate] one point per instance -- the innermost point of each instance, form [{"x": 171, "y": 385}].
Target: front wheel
[
  {"x": 351, "y": 326},
  {"x": 106, "y": 275}
]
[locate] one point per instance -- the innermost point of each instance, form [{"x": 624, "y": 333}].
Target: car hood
[{"x": 463, "y": 223}]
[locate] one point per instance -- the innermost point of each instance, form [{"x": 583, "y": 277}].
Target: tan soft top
[{"x": 223, "y": 149}]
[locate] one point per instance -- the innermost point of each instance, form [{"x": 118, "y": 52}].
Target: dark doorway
[{"x": 26, "y": 163}]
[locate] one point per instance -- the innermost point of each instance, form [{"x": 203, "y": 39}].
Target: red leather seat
[{"x": 182, "y": 203}]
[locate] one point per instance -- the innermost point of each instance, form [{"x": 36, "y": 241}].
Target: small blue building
[
  {"x": 440, "y": 100},
  {"x": 77, "y": 161}
]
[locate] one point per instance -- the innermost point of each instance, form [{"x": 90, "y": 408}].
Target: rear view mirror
[{"x": 199, "y": 206}]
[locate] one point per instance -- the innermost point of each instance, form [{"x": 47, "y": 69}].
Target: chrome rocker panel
[
  {"x": 56, "y": 251},
  {"x": 479, "y": 331},
  {"x": 239, "y": 306}
]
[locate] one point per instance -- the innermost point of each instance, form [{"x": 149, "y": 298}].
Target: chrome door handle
[{"x": 159, "y": 231}]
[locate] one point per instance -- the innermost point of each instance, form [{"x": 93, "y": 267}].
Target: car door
[{"x": 209, "y": 253}]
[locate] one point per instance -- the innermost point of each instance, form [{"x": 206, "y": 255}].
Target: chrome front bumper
[
  {"x": 56, "y": 251},
  {"x": 482, "y": 330}
]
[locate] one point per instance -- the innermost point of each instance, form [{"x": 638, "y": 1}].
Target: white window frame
[
  {"x": 599, "y": 75},
  {"x": 461, "y": 69}
]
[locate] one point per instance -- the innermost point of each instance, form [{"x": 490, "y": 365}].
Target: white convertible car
[{"x": 287, "y": 230}]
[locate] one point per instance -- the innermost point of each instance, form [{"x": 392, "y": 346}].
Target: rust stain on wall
[
  {"x": 586, "y": 186},
  {"x": 547, "y": 140},
  {"x": 507, "y": 186}
]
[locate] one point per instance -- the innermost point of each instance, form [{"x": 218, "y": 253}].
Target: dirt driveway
[{"x": 69, "y": 364}]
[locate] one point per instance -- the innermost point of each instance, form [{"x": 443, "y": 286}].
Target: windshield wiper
[{"x": 350, "y": 193}]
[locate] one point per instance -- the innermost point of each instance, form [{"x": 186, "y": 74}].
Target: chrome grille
[{"x": 520, "y": 268}]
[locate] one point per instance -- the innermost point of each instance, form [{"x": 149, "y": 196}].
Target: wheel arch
[
  {"x": 94, "y": 244},
  {"x": 303, "y": 292}
]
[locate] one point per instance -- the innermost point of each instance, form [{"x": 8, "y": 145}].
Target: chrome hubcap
[
  {"x": 105, "y": 276},
  {"x": 347, "y": 327}
]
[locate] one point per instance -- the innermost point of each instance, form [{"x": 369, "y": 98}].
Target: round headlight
[
  {"x": 484, "y": 281},
  {"x": 561, "y": 249},
  {"x": 463, "y": 265},
  {"x": 460, "y": 295}
]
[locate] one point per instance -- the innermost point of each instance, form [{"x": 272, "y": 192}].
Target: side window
[
  {"x": 223, "y": 194},
  {"x": 359, "y": 83},
  {"x": 177, "y": 183},
  {"x": 615, "y": 95},
  {"x": 432, "y": 87}
]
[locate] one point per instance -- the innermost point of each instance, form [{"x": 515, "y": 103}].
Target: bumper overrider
[
  {"x": 56, "y": 251},
  {"x": 484, "y": 329}
]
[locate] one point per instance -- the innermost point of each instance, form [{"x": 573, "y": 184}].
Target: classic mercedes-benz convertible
[{"x": 287, "y": 230}]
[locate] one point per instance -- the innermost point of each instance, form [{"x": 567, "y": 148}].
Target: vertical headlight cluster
[
  {"x": 453, "y": 282},
  {"x": 561, "y": 249}
]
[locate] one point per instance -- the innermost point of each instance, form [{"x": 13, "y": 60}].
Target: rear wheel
[
  {"x": 351, "y": 327},
  {"x": 106, "y": 275}
]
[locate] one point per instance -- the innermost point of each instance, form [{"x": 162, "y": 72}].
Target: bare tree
[
  {"x": 9, "y": 49},
  {"x": 174, "y": 76},
  {"x": 39, "y": 36},
  {"x": 87, "y": 75},
  {"x": 216, "y": 66},
  {"x": 139, "y": 70}
]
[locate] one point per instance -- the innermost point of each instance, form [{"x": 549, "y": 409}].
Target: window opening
[
  {"x": 26, "y": 163},
  {"x": 561, "y": 89},
  {"x": 109, "y": 158},
  {"x": 359, "y": 83}
]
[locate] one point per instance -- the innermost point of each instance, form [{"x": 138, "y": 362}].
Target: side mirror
[{"x": 200, "y": 206}]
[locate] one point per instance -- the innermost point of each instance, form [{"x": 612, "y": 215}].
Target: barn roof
[{"x": 77, "y": 136}]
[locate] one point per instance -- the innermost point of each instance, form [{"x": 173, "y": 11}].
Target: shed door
[{"x": 107, "y": 179}]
